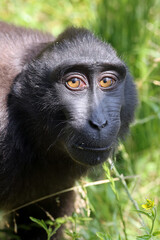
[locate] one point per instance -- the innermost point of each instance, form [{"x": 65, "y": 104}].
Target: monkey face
[
  {"x": 91, "y": 103},
  {"x": 79, "y": 93}
]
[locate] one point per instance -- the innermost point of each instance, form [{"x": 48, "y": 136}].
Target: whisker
[{"x": 52, "y": 144}]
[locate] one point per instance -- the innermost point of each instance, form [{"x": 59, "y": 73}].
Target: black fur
[{"x": 49, "y": 134}]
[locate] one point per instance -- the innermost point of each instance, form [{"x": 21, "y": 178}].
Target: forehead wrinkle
[
  {"x": 93, "y": 53},
  {"x": 88, "y": 63},
  {"x": 85, "y": 53},
  {"x": 82, "y": 46}
]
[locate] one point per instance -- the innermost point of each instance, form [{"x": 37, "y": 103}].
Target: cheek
[
  {"x": 75, "y": 110},
  {"x": 78, "y": 115}
]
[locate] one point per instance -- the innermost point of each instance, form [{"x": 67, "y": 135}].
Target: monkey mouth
[
  {"x": 96, "y": 149},
  {"x": 89, "y": 155}
]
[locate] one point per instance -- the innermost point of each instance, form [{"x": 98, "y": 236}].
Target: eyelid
[
  {"x": 68, "y": 77},
  {"x": 111, "y": 75}
]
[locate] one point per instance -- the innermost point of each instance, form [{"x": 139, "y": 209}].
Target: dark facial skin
[{"x": 92, "y": 99}]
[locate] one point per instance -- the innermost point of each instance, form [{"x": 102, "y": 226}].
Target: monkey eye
[
  {"x": 107, "y": 81},
  {"x": 76, "y": 82}
]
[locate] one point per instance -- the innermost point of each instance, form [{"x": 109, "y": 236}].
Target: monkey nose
[{"x": 98, "y": 125}]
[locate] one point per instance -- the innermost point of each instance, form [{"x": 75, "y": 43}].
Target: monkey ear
[{"x": 129, "y": 105}]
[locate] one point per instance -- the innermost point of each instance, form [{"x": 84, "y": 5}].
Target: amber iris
[
  {"x": 74, "y": 83},
  {"x": 77, "y": 82},
  {"x": 106, "y": 82}
]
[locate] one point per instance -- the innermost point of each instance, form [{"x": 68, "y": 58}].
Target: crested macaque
[{"x": 65, "y": 103}]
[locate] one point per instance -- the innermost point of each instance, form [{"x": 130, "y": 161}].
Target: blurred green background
[{"x": 133, "y": 29}]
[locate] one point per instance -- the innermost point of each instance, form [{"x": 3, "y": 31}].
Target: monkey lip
[{"x": 107, "y": 148}]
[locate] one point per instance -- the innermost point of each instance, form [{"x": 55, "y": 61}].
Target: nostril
[
  {"x": 104, "y": 124},
  {"x": 92, "y": 124},
  {"x": 97, "y": 125}
]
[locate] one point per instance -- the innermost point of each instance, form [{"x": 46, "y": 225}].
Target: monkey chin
[{"x": 89, "y": 156}]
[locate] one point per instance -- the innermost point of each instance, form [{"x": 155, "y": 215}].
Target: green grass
[{"x": 133, "y": 28}]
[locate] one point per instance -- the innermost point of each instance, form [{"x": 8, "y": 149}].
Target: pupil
[
  {"x": 74, "y": 80},
  {"x": 105, "y": 80}
]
